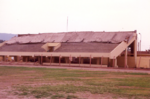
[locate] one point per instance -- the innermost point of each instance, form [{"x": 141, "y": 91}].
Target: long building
[{"x": 87, "y": 48}]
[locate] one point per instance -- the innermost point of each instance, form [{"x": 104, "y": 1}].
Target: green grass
[
  {"x": 57, "y": 96},
  {"x": 71, "y": 97},
  {"x": 44, "y": 82}
]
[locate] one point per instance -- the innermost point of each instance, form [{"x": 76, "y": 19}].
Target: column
[
  {"x": 135, "y": 52},
  {"x": 98, "y": 62},
  {"x": 81, "y": 60},
  {"x": 108, "y": 62},
  {"x": 126, "y": 59},
  {"x": 116, "y": 66},
  {"x": 66, "y": 60}
]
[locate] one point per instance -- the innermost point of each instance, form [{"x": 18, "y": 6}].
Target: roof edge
[{"x": 30, "y": 34}]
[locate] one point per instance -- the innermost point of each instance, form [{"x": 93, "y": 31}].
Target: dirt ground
[{"x": 5, "y": 86}]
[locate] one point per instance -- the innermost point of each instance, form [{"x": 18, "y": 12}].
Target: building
[{"x": 88, "y": 48}]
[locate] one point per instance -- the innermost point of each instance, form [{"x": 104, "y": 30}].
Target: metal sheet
[
  {"x": 12, "y": 40},
  {"x": 70, "y": 37},
  {"x": 88, "y": 36},
  {"x": 47, "y": 38},
  {"x": 104, "y": 37},
  {"x": 25, "y": 39},
  {"x": 67, "y": 37},
  {"x": 121, "y": 37},
  {"x": 57, "y": 37},
  {"x": 38, "y": 38}
]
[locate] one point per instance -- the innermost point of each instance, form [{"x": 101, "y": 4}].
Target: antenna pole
[{"x": 67, "y": 24}]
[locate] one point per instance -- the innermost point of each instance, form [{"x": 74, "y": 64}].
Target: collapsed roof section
[{"x": 102, "y": 37}]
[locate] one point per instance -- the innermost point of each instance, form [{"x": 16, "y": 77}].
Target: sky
[{"x": 45, "y": 16}]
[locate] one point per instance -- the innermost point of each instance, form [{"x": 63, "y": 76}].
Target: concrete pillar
[
  {"x": 23, "y": 58},
  {"x": 52, "y": 60},
  {"x": 116, "y": 66},
  {"x": 27, "y": 59},
  {"x": 90, "y": 60},
  {"x": 3, "y": 58},
  {"x": 101, "y": 61},
  {"x": 15, "y": 58},
  {"x": 81, "y": 61},
  {"x": 0, "y": 58},
  {"x": 41, "y": 60},
  {"x": 108, "y": 62},
  {"x": 59, "y": 60},
  {"x": 135, "y": 52},
  {"x": 126, "y": 58},
  {"x": 66, "y": 60},
  {"x": 34, "y": 60},
  {"x": 97, "y": 61},
  {"x": 18, "y": 58}
]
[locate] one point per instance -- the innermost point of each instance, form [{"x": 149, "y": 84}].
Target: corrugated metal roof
[
  {"x": 111, "y": 37},
  {"x": 48, "y": 37},
  {"x": 38, "y": 38},
  {"x": 57, "y": 37},
  {"x": 12, "y": 40},
  {"x": 24, "y": 39},
  {"x": 123, "y": 37}
]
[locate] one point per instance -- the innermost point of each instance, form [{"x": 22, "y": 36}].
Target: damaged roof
[
  {"x": 74, "y": 37},
  {"x": 65, "y": 47}
]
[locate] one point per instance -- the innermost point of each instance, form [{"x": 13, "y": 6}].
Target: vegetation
[{"x": 66, "y": 84}]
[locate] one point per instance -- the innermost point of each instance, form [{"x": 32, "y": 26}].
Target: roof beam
[
  {"x": 121, "y": 47},
  {"x": 63, "y": 54}
]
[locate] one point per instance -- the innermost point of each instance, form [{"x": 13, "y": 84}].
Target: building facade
[{"x": 87, "y": 48}]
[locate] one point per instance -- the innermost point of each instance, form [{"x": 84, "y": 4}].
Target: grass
[
  {"x": 59, "y": 83},
  {"x": 71, "y": 97},
  {"x": 57, "y": 96}
]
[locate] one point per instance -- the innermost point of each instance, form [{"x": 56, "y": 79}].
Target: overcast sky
[{"x": 40, "y": 16}]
